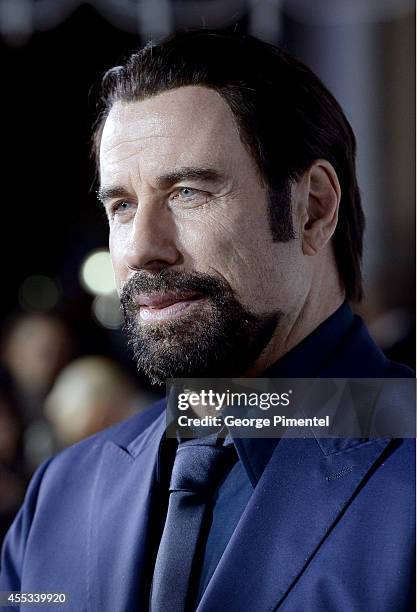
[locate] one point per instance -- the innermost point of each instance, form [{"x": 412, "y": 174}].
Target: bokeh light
[
  {"x": 39, "y": 293},
  {"x": 106, "y": 311},
  {"x": 97, "y": 273}
]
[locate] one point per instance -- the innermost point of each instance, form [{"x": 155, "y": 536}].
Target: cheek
[
  {"x": 228, "y": 242},
  {"x": 264, "y": 275},
  {"x": 209, "y": 236}
]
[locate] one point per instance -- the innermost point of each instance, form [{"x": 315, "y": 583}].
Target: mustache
[{"x": 173, "y": 281}]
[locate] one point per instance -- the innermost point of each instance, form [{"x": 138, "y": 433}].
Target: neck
[{"x": 296, "y": 326}]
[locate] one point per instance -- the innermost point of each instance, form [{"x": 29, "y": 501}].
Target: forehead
[{"x": 184, "y": 126}]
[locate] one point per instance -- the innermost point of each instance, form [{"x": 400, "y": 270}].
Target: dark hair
[{"x": 286, "y": 116}]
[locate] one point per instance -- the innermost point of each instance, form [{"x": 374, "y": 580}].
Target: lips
[
  {"x": 162, "y": 300},
  {"x": 162, "y": 306}
]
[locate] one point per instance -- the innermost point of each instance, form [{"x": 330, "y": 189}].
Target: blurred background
[{"x": 65, "y": 369}]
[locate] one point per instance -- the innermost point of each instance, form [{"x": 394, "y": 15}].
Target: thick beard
[{"x": 218, "y": 339}]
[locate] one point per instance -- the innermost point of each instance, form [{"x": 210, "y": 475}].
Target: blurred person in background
[
  {"x": 90, "y": 394},
  {"x": 35, "y": 347}
]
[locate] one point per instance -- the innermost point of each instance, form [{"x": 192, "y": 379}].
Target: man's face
[{"x": 203, "y": 284}]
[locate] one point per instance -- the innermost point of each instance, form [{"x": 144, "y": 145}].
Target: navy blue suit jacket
[{"x": 329, "y": 527}]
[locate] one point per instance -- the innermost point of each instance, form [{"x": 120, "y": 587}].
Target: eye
[
  {"x": 186, "y": 192},
  {"x": 188, "y": 195},
  {"x": 120, "y": 208}
]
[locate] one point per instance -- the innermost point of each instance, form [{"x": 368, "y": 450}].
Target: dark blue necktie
[{"x": 199, "y": 466}]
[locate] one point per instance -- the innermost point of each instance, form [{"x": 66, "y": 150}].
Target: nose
[{"x": 151, "y": 244}]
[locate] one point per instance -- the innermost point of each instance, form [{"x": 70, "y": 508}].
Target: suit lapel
[
  {"x": 303, "y": 491},
  {"x": 119, "y": 521}
]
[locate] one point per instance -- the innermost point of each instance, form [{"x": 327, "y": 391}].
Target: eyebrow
[
  {"x": 165, "y": 181},
  {"x": 189, "y": 173},
  {"x": 104, "y": 194}
]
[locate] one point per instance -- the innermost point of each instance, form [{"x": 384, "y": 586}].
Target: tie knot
[{"x": 199, "y": 465}]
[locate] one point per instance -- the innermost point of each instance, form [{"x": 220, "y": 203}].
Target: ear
[{"x": 321, "y": 206}]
